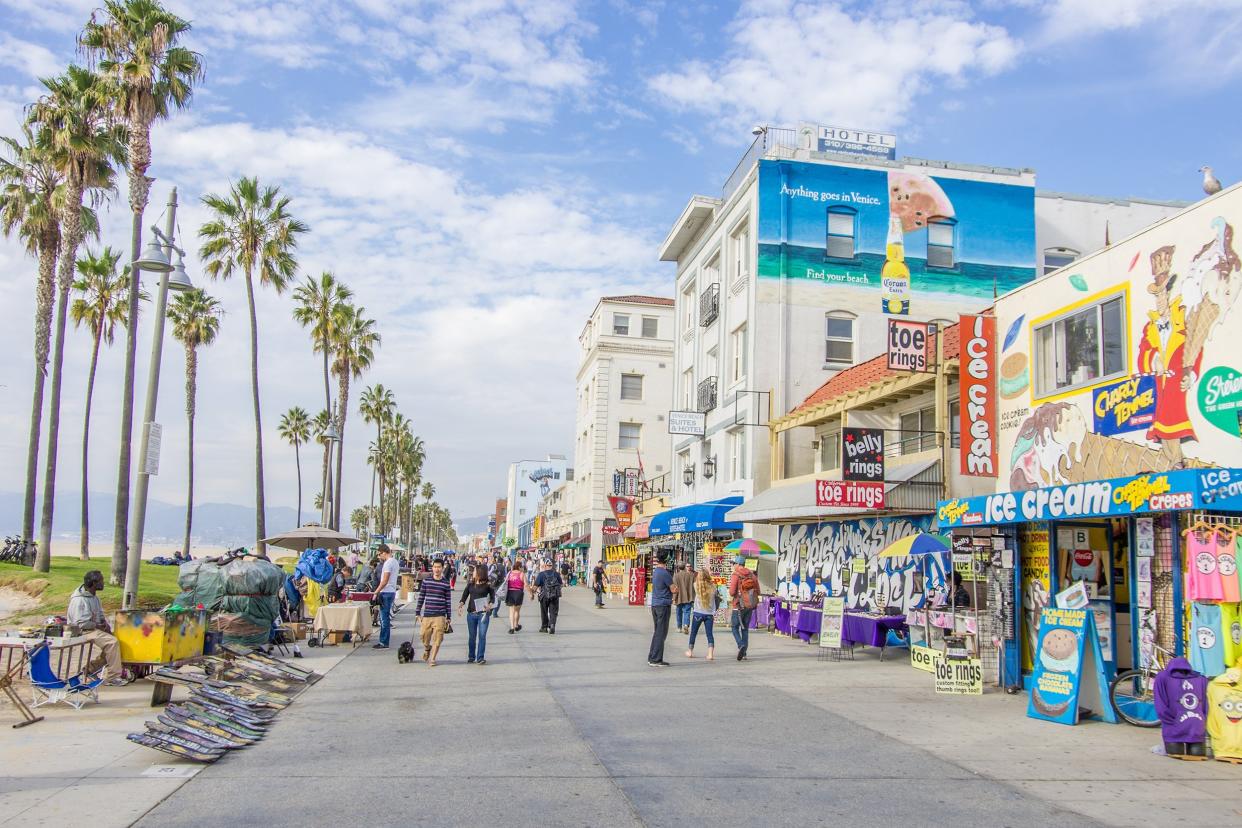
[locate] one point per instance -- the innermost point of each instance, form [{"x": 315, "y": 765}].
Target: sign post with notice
[{"x": 832, "y": 619}]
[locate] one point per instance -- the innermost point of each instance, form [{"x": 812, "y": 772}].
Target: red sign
[
  {"x": 978, "y": 402},
  {"x": 622, "y": 510},
  {"x": 849, "y": 494},
  {"x": 611, "y": 529},
  {"x": 637, "y": 591},
  {"x": 909, "y": 345}
]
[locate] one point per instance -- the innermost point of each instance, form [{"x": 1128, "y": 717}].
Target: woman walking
[
  {"x": 706, "y": 598},
  {"x": 477, "y": 600},
  {"x": 516, "y": 584}
]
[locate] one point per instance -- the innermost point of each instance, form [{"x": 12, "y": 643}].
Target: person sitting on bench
[{"x": 86, "y": 618}]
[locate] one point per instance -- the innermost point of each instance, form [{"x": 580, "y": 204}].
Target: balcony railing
[
  {"x": 656, "y": 486},
  {"x": 769, "y": 140},
  {"x": 707, "y": 395},
  {"x": 709, "y": 304}
]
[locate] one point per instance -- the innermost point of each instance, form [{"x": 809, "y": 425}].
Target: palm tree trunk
[
  {"x": 85, "y": 550},
  {"x": 325, "y": 473},
  {"x": 325, "y": 484},
  {"x": 374, "y": 474},
  {"x": 191, "y": 390},
  {"x": 342, "y": 400},
  {"x": 260, "y": 518},
  {"x": 297, "y": 456},
  {"x": 45, "y": 298},
  {"x": 139, "y": 155},
  {"x": 71, "y": 220}
]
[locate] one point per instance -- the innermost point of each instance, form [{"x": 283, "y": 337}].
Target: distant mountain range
[
  {"x": 471, "y": 525},
  {"x": 223, "y": 524}
]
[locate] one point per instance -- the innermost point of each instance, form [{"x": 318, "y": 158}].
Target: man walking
[
  {"x": 661, "y": 609},
  {"x": 744, "y": 595},
  {"x": 683, "y": 594},
  {"x": 435, "y": 598},
  {"x": 597, "y": 584},
  {"x": 387, "y": 592},
  {"x": 549, "y": 586}
]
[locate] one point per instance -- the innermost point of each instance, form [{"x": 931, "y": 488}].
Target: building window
[
  {"x": 940, "y": 243},
  {"x": 687, "y": 390},
  {"x": 521, "y": 511},
  {"x": 522, "y": 493},
  {"x": 1084, "y": 347},
  {"x": 839, "y": 334},
  {"x": 737, "y": 353},
  {"x": 955, "y": 424},
  {"x": 830, "y": 450},
  {"x": 740, "y": 244},
  {"x": 842, "y": 224},
  {"x": 1056, "y": 258},
  {"x": 629, "y": 436},
  {"x": 651, "y": 327},
  {"x": 620, "y": 324},
  {"x": 687, "y": 309},
  {"x": 737, "y": 454},
  {"x": 631, "y": 386},
  {"x": 917, "y": 431}
]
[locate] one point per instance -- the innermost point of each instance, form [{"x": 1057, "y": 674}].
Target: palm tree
[
  {"x": 135, "y": 44},
  {"x": 376, "y": 405},
  {"x": 29, "y": 183},
  {"x": 295, "y": 429},
  {"x": 100, "y": 308},
  {"x": 318, "y": 303},
  {"x": 359, "y": 518},
  {"x": 195, "y": 318},
  {"x": 354, "y": 340},
  {"x": 251, "y": 230},
  {"x": 319, "y": 427},
  {"x": 388, "y": 457},
  {"x": 429, "y": 491},
  {"x": 76, "y": 126}
]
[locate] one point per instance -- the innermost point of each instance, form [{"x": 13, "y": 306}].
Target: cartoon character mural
[
  {"x": 831, "y": 547},
  {"x": 1180, "y": 293}
]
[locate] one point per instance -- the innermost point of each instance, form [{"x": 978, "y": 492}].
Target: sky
[{"x": 480, "y": 172}]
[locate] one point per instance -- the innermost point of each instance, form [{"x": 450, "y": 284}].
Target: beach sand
[{"x": 102, "y": 550}]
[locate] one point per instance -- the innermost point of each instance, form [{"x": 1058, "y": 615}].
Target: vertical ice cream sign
[{"x": 978, "y": 389}]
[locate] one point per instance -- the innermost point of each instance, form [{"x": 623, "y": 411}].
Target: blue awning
[{"x": 697, "y": 517}]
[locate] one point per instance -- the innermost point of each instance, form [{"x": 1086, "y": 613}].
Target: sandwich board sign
[
  {"x": 833, "y": 617},
  {"x": 1068, "y": 651}
]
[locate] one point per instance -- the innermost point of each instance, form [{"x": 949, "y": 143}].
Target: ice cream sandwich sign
[
  {"x": 978, "y": 404},
  {"x": 1068, "y": 647}
]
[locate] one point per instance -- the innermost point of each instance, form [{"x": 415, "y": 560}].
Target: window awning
[
  {"x": 697, "y": 517},
  {"x": 580, "y": 542},
  {"x": 639, "y": 531},
  {"x": 913, "y": 487}
]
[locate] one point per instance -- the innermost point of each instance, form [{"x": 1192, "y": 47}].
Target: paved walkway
[{"x": 576, "y": 729}]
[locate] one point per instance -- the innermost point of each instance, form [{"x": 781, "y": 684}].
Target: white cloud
[
  {"x": 857, "y": 65},
  {"x": 28, "y": 58}
]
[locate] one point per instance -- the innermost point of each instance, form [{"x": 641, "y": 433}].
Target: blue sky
[{"x": 481, "y": 171}]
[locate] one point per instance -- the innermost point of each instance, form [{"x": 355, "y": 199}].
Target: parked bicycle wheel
[{"x": 1132, "y": 699}]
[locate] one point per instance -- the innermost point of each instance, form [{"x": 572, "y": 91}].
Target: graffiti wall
[
  {"x": 1128, "y": 360},
  {"x": 844, "y": 556},
  {"x": 835, "y": 225}
]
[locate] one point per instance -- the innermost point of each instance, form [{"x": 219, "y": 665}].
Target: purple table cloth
[
  {"x": 808, "y": 620},
  {"x": 782, "y": 618},
  {"x": 762, "y": 614},
  {"x": 869, "y": 630}
]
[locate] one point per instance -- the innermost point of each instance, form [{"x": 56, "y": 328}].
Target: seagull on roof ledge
[{"x": 1211, "y": 184}]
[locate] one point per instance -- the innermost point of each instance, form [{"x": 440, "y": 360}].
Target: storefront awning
[
  {"x": 697, "y": 517},
  {"x": 1216, "y": 489},
  {"x": 639, "y": 531},
  {"x": 580, "y": 542},
  {"x": 913, "y": 487}
]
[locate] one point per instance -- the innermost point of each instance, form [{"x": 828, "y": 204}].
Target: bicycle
[
  {"x": 18, "y": 551},
  {"x": 1131, "y": 692}
]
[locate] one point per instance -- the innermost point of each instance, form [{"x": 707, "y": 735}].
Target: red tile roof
[
  {"x": 872, "y": 371},
  {"x": 641, "y": 300}
]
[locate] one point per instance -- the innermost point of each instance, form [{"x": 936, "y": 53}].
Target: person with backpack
[
  {"x": 515, "y": 585},
  {"x": 661, "y": 609},
  {"x": 706, "y": 599},
  {"x": 549, "y": 586},
  {"x": 744, "y": 592},
  {"x": 597, "y": 584}
]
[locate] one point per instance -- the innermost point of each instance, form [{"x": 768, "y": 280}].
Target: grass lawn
[{"x": 157, "y": 586}]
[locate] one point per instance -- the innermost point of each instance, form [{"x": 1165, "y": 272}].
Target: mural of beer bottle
[{"x": 895, "y": 275}]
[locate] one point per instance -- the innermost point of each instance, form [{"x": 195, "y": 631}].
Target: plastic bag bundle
[
  {"x": 313, "y": 565},
  {"x": 201, "y": 582},
  {"x": 244, "y": 596}
]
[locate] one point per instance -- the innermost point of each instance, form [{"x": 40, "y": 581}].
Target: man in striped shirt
[{"x": 435, "y": 598}]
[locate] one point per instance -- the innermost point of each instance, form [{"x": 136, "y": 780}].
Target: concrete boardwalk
[{"x": 576, "y": 729}]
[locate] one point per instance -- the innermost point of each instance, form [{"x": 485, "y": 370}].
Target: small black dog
[{"x": 405, "y": 653}]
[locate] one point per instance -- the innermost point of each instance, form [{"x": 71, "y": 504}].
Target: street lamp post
[{"x": 157, "y": 259}]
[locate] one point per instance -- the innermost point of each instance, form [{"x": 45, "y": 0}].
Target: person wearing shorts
[
  {"x": 435, "y": 597},
  {"x": 516, "y": 583}
]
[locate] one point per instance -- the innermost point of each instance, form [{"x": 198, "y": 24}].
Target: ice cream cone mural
[{"x": 1177, "y": 400}]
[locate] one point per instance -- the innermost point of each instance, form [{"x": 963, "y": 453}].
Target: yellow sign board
[
  {"x": 858, "y": 565},
  {"x": 923, "y": 658},
  {"x": 958, "y": 677},
  {"x": 621, "y": 552}
]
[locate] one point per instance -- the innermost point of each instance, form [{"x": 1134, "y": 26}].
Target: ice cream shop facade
[{"x": 1108, "y": 411}]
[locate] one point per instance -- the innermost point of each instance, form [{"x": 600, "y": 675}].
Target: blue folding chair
[{"x": 49, "y": 688}]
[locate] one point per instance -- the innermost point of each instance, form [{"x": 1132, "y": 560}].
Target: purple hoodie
[{"x": 1181, "y": 702}]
